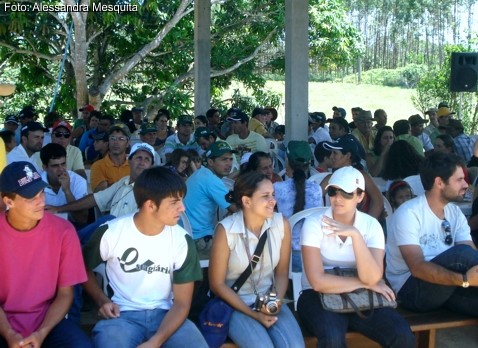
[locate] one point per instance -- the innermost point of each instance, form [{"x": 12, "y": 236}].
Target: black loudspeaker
[{"x": 464, "y": 72}]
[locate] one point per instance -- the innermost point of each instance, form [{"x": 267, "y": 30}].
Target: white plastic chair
[
  {"x": 318, "y": 177},
  {"x": 297, "y": 276},
  {"x": 415, "y": 183},
  {"x": 277, "y": 162}
]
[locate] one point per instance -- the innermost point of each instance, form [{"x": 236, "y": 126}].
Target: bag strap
[{"x": 256, "y": 257}]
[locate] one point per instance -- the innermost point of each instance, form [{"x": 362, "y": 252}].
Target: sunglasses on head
[
  {"x": 446, "y": 228},
  {"x": 65, "y": 135},
  {"x": 332, "y": 191}
]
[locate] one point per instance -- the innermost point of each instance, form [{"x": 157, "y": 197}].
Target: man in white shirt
[
  {"x": 31, "y": 141},
  {"x": 431, "y": 260}
]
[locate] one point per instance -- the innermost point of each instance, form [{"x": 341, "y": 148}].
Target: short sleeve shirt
[
  {"x": 143, "y": 268},
  {"x": 414, "y": 223},
  {"x": 105, "y": 170}
]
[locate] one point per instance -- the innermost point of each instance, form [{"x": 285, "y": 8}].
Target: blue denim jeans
[
  {"x": 384, "y": 326},
  {"x": 421, "y": 296},
  {"x": 65, "y": 334},
  {"x": 247, "y": 332},
  {"x": 135, "y": 327}
]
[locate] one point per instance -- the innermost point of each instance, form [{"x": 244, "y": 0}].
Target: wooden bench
[{"x": 423, "y": 325}]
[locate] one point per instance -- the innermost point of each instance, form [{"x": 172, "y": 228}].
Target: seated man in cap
[
  {"x": 243, "y": 140},
  {"x": 257, "y": 123},
  {"x": 10, "y": 123},
  {"x": 116, "y": 200},
  {"x": 317, "y": 131},
  {"x": 206, "y": 192},
  {"x": 152, "y": 265},
  {"x": 416, "y": 129},
  {"x": 463, "y": 143},
  {"x": 31, "y": 142},
  {"x": 26, "y": 115},
  {"x": 364, "y": 132},
  {"x": 114, "y": 165},
  {"x": 339, "y": 112},
  {"x": 35, "y": 300},
  {"x": 444, "y": 114},
  {"x": 82, "y": 124},
  {"x": 135, "y": 123},
  {"x": 104, "y": 124},
  {"x": 61, "y": 134},
  {"x": 148, "y": 134},
  {"x": 183, "y": 139}
]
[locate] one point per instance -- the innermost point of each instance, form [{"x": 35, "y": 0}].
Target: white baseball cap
[{"x": 348, "y": 179}]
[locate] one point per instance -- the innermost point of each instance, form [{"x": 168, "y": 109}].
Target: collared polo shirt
[{"x": 105, "y": 169}]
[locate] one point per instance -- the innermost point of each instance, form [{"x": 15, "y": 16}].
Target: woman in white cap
[{"x": 346, "y": 237}]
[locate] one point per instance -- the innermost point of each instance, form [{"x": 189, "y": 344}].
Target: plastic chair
[
  {"x": 415, "y": 183},
  {"x": 296, "y": 277},
  {"x": 319, "y": 177}
]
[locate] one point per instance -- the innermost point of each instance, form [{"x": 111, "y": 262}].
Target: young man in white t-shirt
[
  {"x": 431, "y": 260},
  {"x": 150, "y": 261}
]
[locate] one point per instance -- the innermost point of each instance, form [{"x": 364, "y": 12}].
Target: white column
[
  {"x": 296, "y": 69},
  {"x": 202, "y": 56}
]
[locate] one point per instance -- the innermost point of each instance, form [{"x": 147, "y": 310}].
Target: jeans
[
  {"x": 385, "y": 325},
  {"x": 421, "y": 296},
  {"x": 247, "y": 332},
  {"x": 135, "y": 327},
  {"x": 65, "y": 334}
]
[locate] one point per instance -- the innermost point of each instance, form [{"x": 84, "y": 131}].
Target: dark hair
[
  {"x": 273, "y": 111},
  {"x": 401, "y": 127},
  {"x": 97, "y": 114},
  {"x": 396, "y": 186},
  {"x": 438, "y": 164},
  {"x": 7, "y": 135},
  {"x": 176, "y": 156},
  {"x": 210, "y": 113},
  {"x": 203, "y": 119},
  {"x": 320, "y": 152},
  {"x": 162, "y": 112},
  {"x": 255, "y": 160},
  {"x": 126, "y": 115},
  {"x": 157, "y": 183},
  {"x": 299, "y": 175},
  {"x": 447, "y": 141},
  {"x": 402, "y": 161},
  {"x": 377, "y": 112},
  {"x": 377, "y": 144},
  {"x": 193, "y": 155},
  {"x": 109, "y": 118},
  {"x": 245, "y": 185},
  {"x": 280, "y": 129},
  {"x": 51, "y": 151}
]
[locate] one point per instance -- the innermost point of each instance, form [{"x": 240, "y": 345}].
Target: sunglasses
[
  {"x": 332, "y": 191},
  {"x": 446, "y": 227},
  {"x": 65, "y": 135}
]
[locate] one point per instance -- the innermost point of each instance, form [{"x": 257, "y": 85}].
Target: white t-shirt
[
  {"x": 334, "y": 251},
  {"x": 414, "y": 223},
  {"x": 142, "y": 269}
]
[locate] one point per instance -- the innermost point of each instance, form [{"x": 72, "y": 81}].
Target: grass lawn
[{"x": 395, "y": 101}]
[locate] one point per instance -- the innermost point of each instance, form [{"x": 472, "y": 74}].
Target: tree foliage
[{"x": 146, "y": 57}]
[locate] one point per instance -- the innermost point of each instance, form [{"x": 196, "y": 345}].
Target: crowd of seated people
[{"x": 234, "y": 178}]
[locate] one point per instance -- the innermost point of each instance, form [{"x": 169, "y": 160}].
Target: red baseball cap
[{"x": 88, "y": 107}]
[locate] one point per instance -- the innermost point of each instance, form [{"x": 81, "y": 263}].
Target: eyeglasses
[
  {"x": 446, "y": 227},
  {"x": 62, "y": 135},
  {"x": 113, "y": 138},
  {"x": 332, "y": 191}
]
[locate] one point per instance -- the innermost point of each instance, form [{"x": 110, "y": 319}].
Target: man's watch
[{"x": 465, "y": 283}]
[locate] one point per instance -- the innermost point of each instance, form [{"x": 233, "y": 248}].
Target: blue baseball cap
[{"x": 21, "y": 178}]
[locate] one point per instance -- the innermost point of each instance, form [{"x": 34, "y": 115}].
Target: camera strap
[{"x": 256, "y": 257}]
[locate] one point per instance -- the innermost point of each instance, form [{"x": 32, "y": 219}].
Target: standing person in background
[
  {"x": 297, "y": 193},
  {"x": 235, "y": 239}
]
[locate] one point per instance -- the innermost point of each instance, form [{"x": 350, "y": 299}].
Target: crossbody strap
[{"x": 256, "y": 257}]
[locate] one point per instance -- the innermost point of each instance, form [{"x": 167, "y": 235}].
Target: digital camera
[{"x": 269, "y": 301}]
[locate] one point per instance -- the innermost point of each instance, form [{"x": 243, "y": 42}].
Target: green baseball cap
[
  {"x": 201, "y": 132},
  {"x": 185, "y": 119},
  {"x": 148, "y": 128},
  {"x": 218, "y": 148},
  {"x": 299, "y": 151}
]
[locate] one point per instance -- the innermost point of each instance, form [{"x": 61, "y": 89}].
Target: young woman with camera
[
  {"x": 346, "y": 237},
  {"x": 260, "y": 319}
]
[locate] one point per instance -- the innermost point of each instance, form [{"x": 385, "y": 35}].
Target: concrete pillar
[
  {"x": 296, "y": 69},
  {"x": 202, "y": 56}
]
